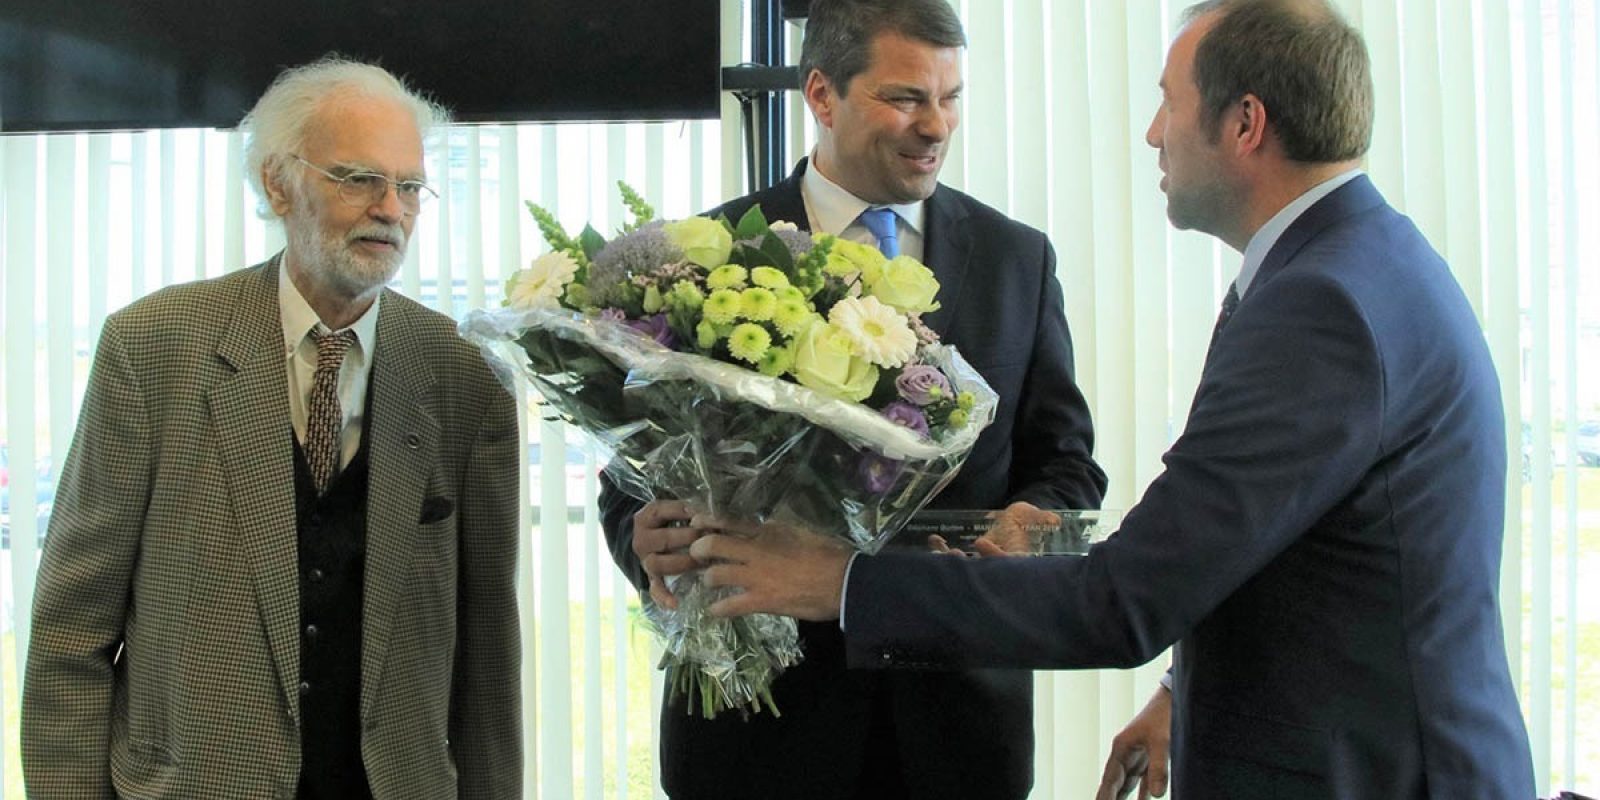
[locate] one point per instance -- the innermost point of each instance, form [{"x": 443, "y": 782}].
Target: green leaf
[
  {"x": 749, "y": 257},
  {"x": 592, "y": 241},
  {"x": 751, "y": 225},
  {"x": 774, "y": 248}
]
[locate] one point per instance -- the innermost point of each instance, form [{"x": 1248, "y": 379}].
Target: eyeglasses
[{"x": 363, "y": 189}]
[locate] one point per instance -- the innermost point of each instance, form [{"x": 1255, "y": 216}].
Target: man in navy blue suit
[
  {"x": 883, "y": 79},
  {"x": 1324, "y": 542}
]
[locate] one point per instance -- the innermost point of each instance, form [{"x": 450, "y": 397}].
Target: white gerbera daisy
[
  {"x": 878, "y": 332},
  {"x": 541, "y": 284}
]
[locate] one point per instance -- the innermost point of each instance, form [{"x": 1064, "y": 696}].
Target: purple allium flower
[
  {"x": 918, "y": 382},
  {"x": 878, "y": 474},
  {"x": 638, "y": 252},
  {"x": 655, "y": 326},
  {"x": 907, "y": 415}
]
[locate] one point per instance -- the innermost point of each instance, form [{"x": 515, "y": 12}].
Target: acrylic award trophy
[{"x": 1055, "y": 532}]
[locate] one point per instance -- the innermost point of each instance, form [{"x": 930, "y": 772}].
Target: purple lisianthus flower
[
  {"x": 655, "y": 326},
  {"x": 613, "y": 315},
  {"x": 901, "y": 413},
  {"x": 921, "y": 384},
  {"x": 878, "y": 474}
]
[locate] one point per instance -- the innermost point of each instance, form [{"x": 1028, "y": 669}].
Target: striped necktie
[{"x": 324, "y": 419}]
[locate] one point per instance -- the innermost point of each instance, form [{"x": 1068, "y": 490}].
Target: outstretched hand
[
  {"x": 777, "y": 568},
  {"x": 1008, "y": 535}
]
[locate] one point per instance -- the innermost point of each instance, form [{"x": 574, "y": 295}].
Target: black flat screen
[{"x": 130, "y": 64}]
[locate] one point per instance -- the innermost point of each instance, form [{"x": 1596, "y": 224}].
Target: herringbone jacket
[{"x": 165, "y": 651}]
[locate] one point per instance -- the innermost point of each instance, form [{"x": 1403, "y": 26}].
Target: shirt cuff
[
  {"x": 844, "y": 591},
  {"x": 1166, "y": 678}
]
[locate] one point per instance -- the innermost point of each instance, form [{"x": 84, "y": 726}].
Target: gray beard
[{"x": 351, "y": 272}]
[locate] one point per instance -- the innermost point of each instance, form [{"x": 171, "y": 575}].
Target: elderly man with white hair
[{"x": 282, "y": 558}]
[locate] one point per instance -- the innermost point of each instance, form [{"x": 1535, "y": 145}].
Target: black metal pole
[{"x": 766, "y": 38}]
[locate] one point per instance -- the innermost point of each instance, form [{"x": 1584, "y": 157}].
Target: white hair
[{"x": 277, "y": 127}]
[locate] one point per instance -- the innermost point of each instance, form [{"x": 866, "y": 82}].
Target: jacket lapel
[
  {"x": 1354, "y": 197},
  {"x": 947, "y": 250},
  {"x": 251, "y": 413},
  {"x": 403, "y": 440},
  {"x": 784, "y": 202}
]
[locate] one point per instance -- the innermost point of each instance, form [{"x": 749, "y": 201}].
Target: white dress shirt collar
[
  {"x": 833, "y": 208},
  {"x": 299, "y": 318}
]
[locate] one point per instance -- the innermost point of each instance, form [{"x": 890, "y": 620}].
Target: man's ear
[
  {"x": 277, "y": 193},
  {"x": 1245, "y": 125},
  {"x": 821, "y": 97}
]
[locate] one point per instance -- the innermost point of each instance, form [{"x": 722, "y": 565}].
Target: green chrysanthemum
[
  {"x": 728, "y": 276},
  {"x": 749, "y": 342},
  {"x": 769, "y": 278},
  {"x": 775, "y": 362},
  {"x": 789, "y": 293},
  {"x": 966, "y": 400},
  {"x": 958, "y": 418},
  {"x": 722, "y": 306},
  {"x": 757, "y": 304},
  {"x": 790, "y": 316}
]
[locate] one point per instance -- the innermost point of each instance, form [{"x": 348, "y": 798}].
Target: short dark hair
[
  {"x": 1307, "y": 64},
  {"x": 839, "y": 33}
]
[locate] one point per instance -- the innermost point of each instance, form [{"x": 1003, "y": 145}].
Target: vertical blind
[{"x": 1485, "y": 108}]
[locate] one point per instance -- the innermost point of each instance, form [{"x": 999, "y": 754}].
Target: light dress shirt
[
  {"x": 300, "y": 359},
  {"x": 833, "y": 209}
]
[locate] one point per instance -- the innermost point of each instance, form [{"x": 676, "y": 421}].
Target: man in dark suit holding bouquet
[{"x": 883, "y": 79}]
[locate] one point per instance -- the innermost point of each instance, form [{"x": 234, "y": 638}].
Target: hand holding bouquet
[{"x": 755, "y": 372}]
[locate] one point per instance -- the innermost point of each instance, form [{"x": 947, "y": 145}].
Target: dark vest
[{"x": 333, "y": 549}]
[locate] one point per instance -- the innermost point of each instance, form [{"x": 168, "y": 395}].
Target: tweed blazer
[{"x": 165, "y": 653}]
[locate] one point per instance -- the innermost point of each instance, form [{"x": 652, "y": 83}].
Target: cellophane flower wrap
[{"x": 755, "y": 372}]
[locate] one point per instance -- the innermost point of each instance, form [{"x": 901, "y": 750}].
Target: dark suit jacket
[
  {"x": 174, "y": 542},
  {"x": 966, "y": 735},
  {"x": 1325, "y": 540}
]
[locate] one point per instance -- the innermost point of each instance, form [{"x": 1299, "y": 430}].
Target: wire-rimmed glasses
[{"x": 364, "y": 189}]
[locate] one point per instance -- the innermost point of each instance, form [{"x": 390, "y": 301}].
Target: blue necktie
[{"x": 882, "y": 224}]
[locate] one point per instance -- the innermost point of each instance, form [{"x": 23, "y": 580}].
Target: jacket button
[
  {"x": 311, "y": 631},
  {"x": 413, "y": 441},
  {"x": 315, "y": 576},
  {"x": 305, "y": 688}
]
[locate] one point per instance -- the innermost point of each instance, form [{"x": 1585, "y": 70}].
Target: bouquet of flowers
[{"x": 754, "y": 371}]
